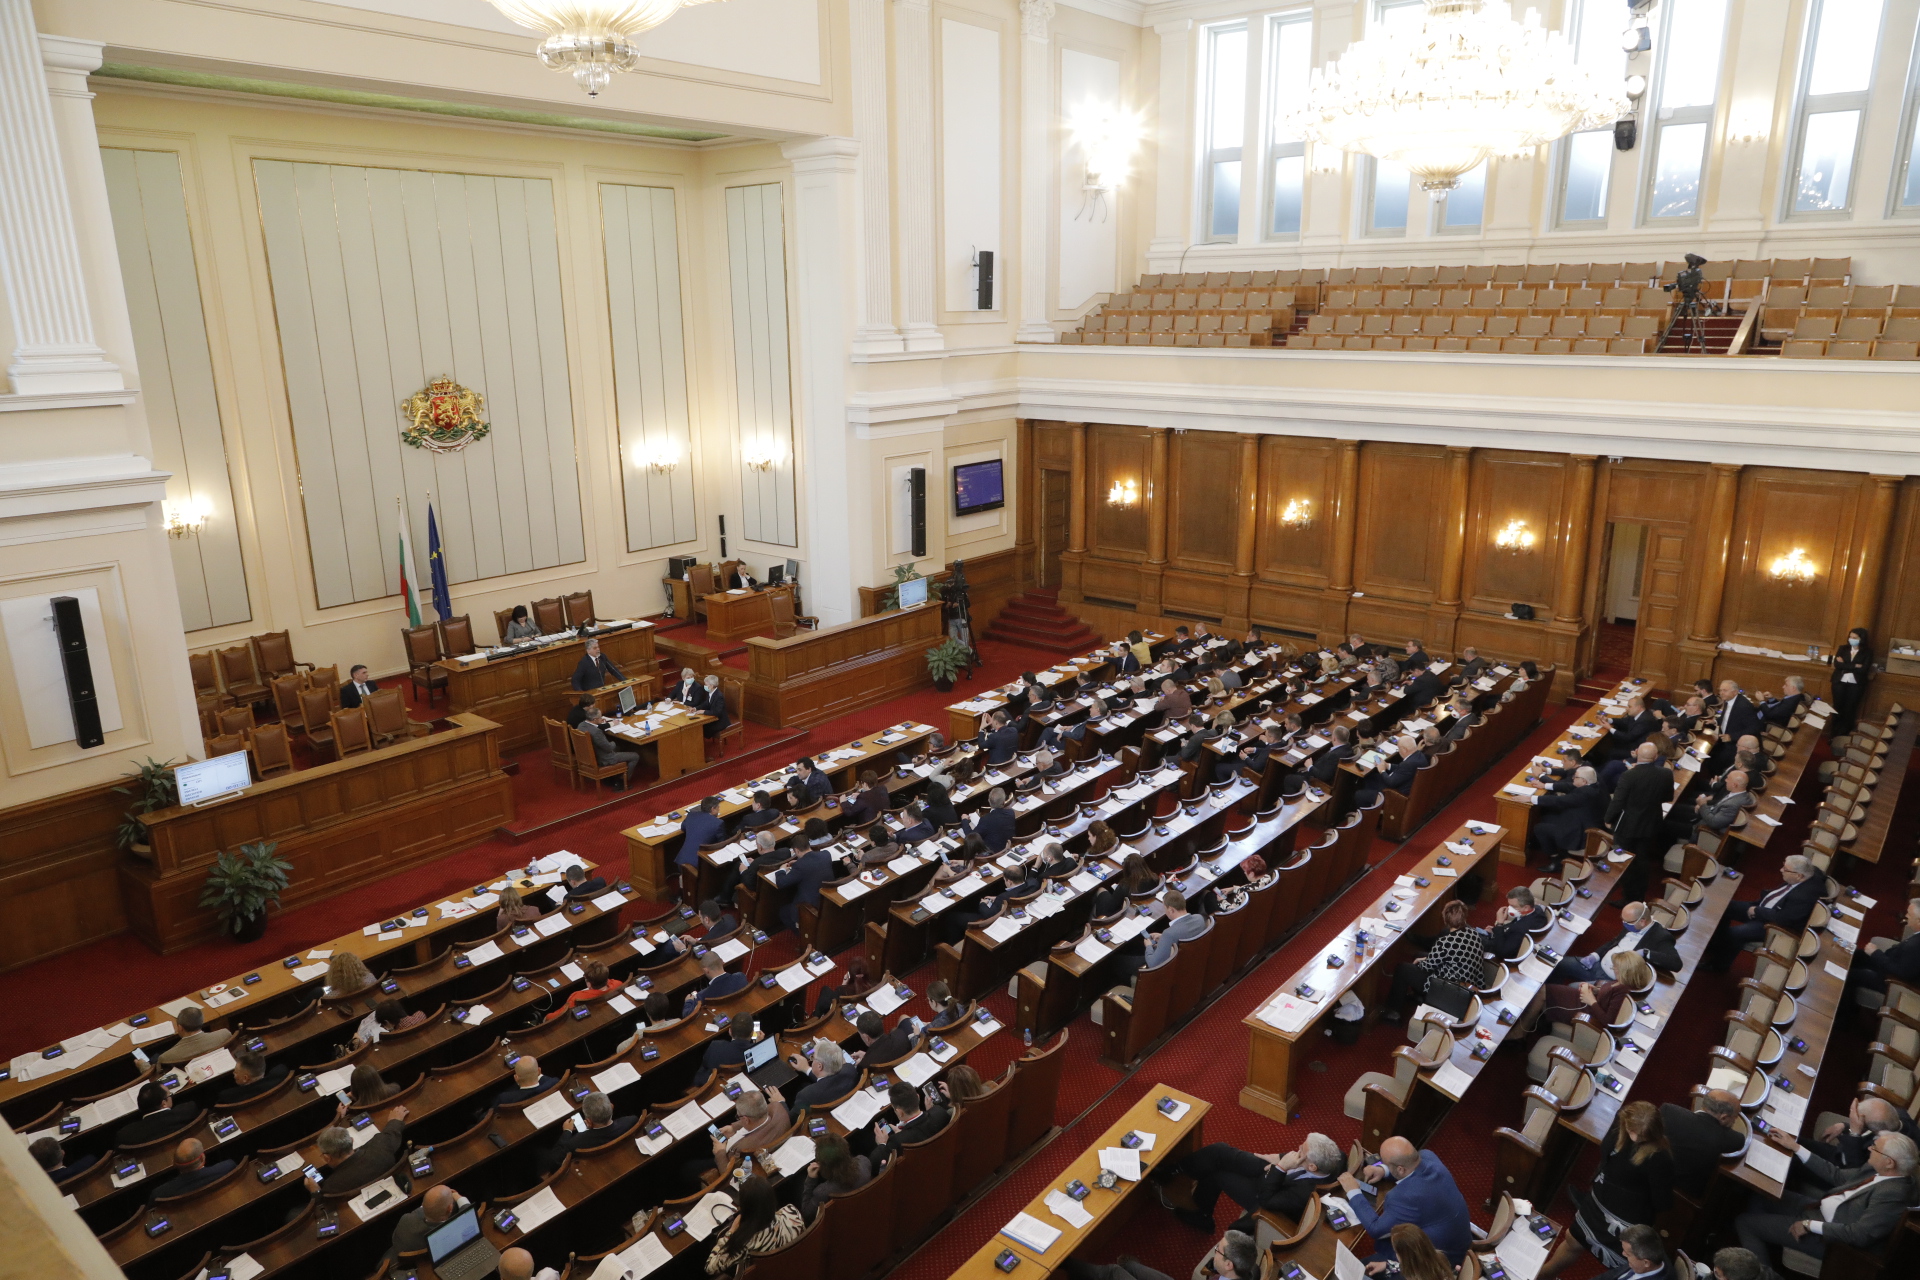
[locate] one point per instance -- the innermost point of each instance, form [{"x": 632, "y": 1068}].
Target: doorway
[
  {"x": 1624, "y": 567},
  {"x": 1055, "y": 518}
]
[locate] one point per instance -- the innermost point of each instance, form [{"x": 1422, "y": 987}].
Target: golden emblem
[{"x": 444, "y": 418}]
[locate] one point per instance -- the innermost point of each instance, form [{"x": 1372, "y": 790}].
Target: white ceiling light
[
  {"x": 1442, "y": 94},
  {"x": 591, "y": 38}
]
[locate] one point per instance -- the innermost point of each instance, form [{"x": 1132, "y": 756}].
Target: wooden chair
[
  {"x": 241, "y": 674},
  {"x": 422, "y": 645},
  {"x": 316, "y": 712},
  {"x": 501, "y": 619},
  {"x": 860, "y": 1236},
  {"x": 734, "y": 691},
  {"x": 785, "y": 621},
  {"x": 549, "y": 615},
  {"x": 271, "y": 749},
  {"x": 274, "y": 651},
  {"x": 578, "y": 607},
  {"x": 235, "y": 719},
  {"x": 387, "y": 716},
  {"x": 456, "y": 635},
  {"x": 327, "y": 680},
  {"x": 982, "y": 1143},
  {"x": 806, "y": 1256},
  {"x": 286, "y": 701},
  {"x": 1036, "y": 1085},
  {"x": 560, "y": 750},
  {"x": 225, "y": 744},
  {"x": 206, "y": 681},
  {"x": 587, "y": 764},
  {"x": 352, "y": 733},
  {"x": 700, "y": 585},
  {"x": 924, "y": 1184}
]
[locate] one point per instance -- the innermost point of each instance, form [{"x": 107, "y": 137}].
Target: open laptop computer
[
  {"x": 459, "y": 1251},
  {"x": 765, "y": 1067}
]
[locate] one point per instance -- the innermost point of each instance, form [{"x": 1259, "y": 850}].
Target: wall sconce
[
  {"x": 1749, "y": 124},
  {"x": 1298, "y": 515},
  {"x": 1124, "y": 493},
  {"x": 1325, "y": 159},
  {"x": 1792, "y": 569},
  {"x": 186, "y": 519},
  {"x": 762, "y": 456},
  {"x": 1514, "y": 538},
  {"x": 1107, "y": 136},
  {"x": 662, "y": 456}
]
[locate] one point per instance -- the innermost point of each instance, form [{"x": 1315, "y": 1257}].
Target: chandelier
[
  {"x": 591, "y": 38},
  {"x": 1442, "y": 94}
]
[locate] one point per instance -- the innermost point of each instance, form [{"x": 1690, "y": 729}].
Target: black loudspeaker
[
  {"x": 79, "y": 670},
  {"x": 723, "y": 537},
  {"x": 917, "y": 491},
  {"x": 1625, "y": 133},
  {"x": 985, "y": 261}
]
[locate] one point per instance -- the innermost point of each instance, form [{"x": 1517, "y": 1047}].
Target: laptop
[
  {"x": 765, "y": 1067},
  {"x": 459, "y": 1251}
]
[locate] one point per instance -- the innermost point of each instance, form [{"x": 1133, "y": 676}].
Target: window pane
[
  {"x": 1690, "y": 63},
  {"x": 1226, "y": 199},
  {"x": 1391, "y": 183},
  {"x": 1826, "y": 161},
  {"x": 1911, "y": 194},
  {"x": 1589, "y": 166},
  {"x": 1292, "y": 66},
  {"x": 1395, "y": 11},
  {"x": 1465, "y": 203},
  {"x": 1843, "y": 44},
  {"x": 1226, "y": 120},
  {"x": 1595, "y": 35},
  {"x": 1676, "y": 173},
  {"x": 1289, "y": 173}
]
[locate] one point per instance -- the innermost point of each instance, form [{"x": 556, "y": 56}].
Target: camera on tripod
[{"x": 1687, "y": 285}]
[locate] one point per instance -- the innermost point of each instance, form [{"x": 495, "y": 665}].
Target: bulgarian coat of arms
[{"x": 444, "y": 418}]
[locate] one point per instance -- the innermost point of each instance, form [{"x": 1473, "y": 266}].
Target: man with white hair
[
  {"x": 687, "y": 691},
  {"x": 1780, "y": 710},
  {"x": 1280, "y": 1183},
  {"x": 1638, "y": 932},
  {"x": 1562, "y": 814},
  {"x": 1861, "y": 1211},
  {"x": 1788, "y": 906},
  {"x": 834, "y": 1076},
  {"x": 1842, "y": 1141},
  {"x": 1395, "y": 777}
]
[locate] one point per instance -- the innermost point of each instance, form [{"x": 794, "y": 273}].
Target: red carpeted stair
[{"x": 1036, "y": 620}]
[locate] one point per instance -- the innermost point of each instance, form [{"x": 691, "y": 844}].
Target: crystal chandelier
[
  {"x": 1442, "y": 94},
  {"x": 591, "y": 38}
]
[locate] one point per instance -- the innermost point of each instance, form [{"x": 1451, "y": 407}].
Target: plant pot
[
  {"x": 252, "y": 929},
  {"x": 944, "y": 686},
  {"x": 139, "y": 850}
]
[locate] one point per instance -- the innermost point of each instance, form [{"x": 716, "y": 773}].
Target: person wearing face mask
[
  {"x": 1852, "y": 665},
  {"x": 1638, "y": 932}
]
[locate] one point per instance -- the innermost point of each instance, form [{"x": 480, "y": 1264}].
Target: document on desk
[
  {"x": 537, "y": 1209},
  {"x": 1003, "y": 928},
  {"x": 1123, "y": 1161},
  {"x": 1288, "y": 1012},
  {"x": 1345, "y": 1265},
  {"x": 142, "y": 1035},
  {"x": 547, "y": 926},
  {"x": 1768, "y": 1160},
  {"x": 305, "y": 973},
  {"x": 886, "y": 1000},
  {"x": 687, "y": 1120},
  {"x": 793, "y": 1155},
  {"x": 382, "y": 1196},
  {"x": 618, "y": 1076},
  {"x": 858, "y": 1111},
  {"x": 477, "y": 1014},
  {"x": 1067, "y": 1209},
  {"x": 1092, "y": 950},
  {"x": 917, "y": 1070},
  {"x": 611, "y": 900},
  {"x": 1450, "y": 1080},
  {"x": 1522, "y": 1254},
  {"x": 333, "y": 1081},
  {"x": 793, "y": 977},
  {"x": 1031, "y": 1232},
  {"x": 208, "y": 1065},
  {"x": 1837, "y": 970},
  {"x": 730, "y": 950},
  {"x": 647, "y": 1256},
  {"x": 855, "y": 888},
  {"x": 554, "y": 1106}
]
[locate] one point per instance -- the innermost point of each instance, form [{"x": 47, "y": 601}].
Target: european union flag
[{"x": 437, "y": 567}]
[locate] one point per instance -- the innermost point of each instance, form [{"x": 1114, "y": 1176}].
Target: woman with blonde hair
[
  {"x": 367, "y": 1086},
  {"x": 963, "y": 1084},
  {"x": 1416, "y": 1256},
  {"x": 347, "y": 973},
  {"x": 1632, "y": 1187},
  {"x": 513, "y": 910}
]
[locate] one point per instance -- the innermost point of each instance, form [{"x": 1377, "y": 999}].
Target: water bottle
[{"x": 1026, "y": 1037}]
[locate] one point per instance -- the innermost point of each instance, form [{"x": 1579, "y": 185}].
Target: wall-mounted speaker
[
  {"x": 79, "y": 671},
  {"x": 723, "y": 537},
  {"x": 917, "y": 498},
  {"x": 1625, "y": 133},
  {"x": 984, "y": 262}
]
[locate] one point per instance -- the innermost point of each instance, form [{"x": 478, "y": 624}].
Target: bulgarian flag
[{"x": 409, "y": 578}]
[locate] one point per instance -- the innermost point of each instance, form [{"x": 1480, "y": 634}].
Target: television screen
[
  {"x": 913, "y": 591},
  {"x": 205, "y": 779},
  {"x": 977, "y": 487}
]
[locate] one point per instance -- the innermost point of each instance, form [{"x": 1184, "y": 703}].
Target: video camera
[{"x": 1687, "y": 283}]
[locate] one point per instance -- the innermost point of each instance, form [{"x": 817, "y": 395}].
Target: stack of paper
[
  {"x": 793, "y": 1155},
  {"x": 1031, "y": 1232},
  {"x": 386, "y": 1191},
  {"x": 794, "y": 977},
  {"x": 554, "y": 1106},
  {"x": 537, "y": 1209},
  {"x": 858, "y": 1111},
  {"x": 1067, "y": 1209}
]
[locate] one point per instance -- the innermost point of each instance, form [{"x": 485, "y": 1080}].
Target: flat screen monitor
[
  {"x": 793, "y": 571},
  {"x": 913, "y": 591},
  {"x": 977, "y": 486},
  {"x": 462, "y": 1230},
  {"x": 205, "y": 779},
  {"x": 628, "y": 703},
  {"x": 760, "y": 1053}
]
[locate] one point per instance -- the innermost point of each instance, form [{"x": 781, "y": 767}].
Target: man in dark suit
[
  {"x": 1844, "y": 1143},
  {"x": 190, "y": 1172},
  {"x": 343, "y": 1167},
  {"x": 1397, "y": 776},
  {"x": 817, "y": 784},
  {"x": 437, "y": 1208},
  {"x": 577, "y": 713},
  {"x": 1000, "y": 738},
  {"x": 1124, "y": 663},
  {"x": 357, "y": 687},
  {"x": 594, "y": 671},
  {"x": 1780, "y": 710},
  {"x": 719, "y": 984},
  {"x": 1636, "y": 819},
  {"x": 917, "y": 828},
  {"x": 715, "y": 706},
  {"x": 688, "y": 691},
  {"x": 251, "y": 1079},
  {"x": 1338, "y": 752},
  {"x": 1638, "y": 932},
  {"x": 880, "y": 1044},
  {"x": 1883, "y": 958},
  {"x": 1252, "y": 757},
  {"x": 1701, "y": 1139},
  {"x": 1861, "y": 1211},
  {"x": 1646, "y": 1257},
  {"x": 912, "y": 1121},
  {"x": 833, "y": 1076},
  {"x": 528, "y": 1082},
  {"x": 47, "y": 1153},
  {"x": 576, "y": 885},
  {"x": 1628, "y": 731},
  {"x": 1278, "y": 1183},
  {"x": 1563, "y": 814},
  {"x": 872, "y": 800},
  {"x": 158, "y": 1117},
  {"x": 1424, "y": 1193},
  {"x": 762, "y": 814},
  {"x": 995, "y": 827},
  {"x": 726, "y": 1053},
  {"x": 801, "y": 880},
  {"x": 1416, "y": 659},
  {"x": 1736, "y": 719},
  {"x": 703, "y": 826},
  {"x": 1425, "y": 688},
  {"x": 597, "y": 1127},
  {"x": 1788, "y": 906},
  {"x": 1519, "y": 917},
  {"x": 1472, "y": 665},
  {"x": 604, "y": 750}
]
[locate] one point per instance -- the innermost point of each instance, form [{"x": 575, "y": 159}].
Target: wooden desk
[
  {"x": 342, "y": 824},
  {"x": 963, "y": 718},
  {"x": 817, "y": 675},
  {"x": 681, "y": 593},
  {"x": 741, "y": 612},
  {"x": 677, "y": 740},
  {"x": 1110, "y": 1209},
  {"x": 1271, "y": 1051},
  {"x": 1893, "y": 774},
  {"x": 518, "y": 692}
]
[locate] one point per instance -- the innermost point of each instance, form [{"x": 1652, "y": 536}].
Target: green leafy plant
[
  {"x": 244, "y": 883},
  {"x": 152, "y": 786},
  {"x": 945, "y": 659},
  {"x": 906, "y": 573}
]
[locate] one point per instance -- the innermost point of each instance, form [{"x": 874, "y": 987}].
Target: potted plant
[
  {"x": 944, "y": 661},
  {"x": 152, "y": 786},
  {"x": 243, "y": 885}
]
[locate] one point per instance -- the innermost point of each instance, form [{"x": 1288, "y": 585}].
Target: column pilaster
[
  {"x": 1038, "y": 136},
  {"x": 913, "y": 81},
  {"x": 874, "y": 332}
]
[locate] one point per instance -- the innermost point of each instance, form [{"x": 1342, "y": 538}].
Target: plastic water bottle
[{"x": 1026, "y": 1037}]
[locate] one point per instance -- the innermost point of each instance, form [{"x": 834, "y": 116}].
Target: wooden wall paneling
[
  {"x": 1390, "y": 622},
  {"x": 1079, "y": 517},
  {"x": 1872, "y": 550},
  {"x": 1899, "y": 612},
  {"x": 1529, "y": 487},
  {"x": 1671, "y": 499},
  {"x": 1207, "y": 486},
  {"x": 817, "y": 675},
  {"x": 1027, "y": 485},
  {"x": 1158, "y": 500},
  {"x": 1779, "y": 510},
  {"x": 1295, "y": 469},
  {"x": 1400, "y": 524},
  {"x": 58, "y": 863},
  {"x": 1118, "y": 537},
  {"x": 1306, "y": 613},
  {"x": 757, "y": 271},
  {"x": 1716, "y": 557}
]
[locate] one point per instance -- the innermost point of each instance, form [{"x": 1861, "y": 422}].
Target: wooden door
[
  {"x": 1661, "y": 614},
  {"x": 1055, "y": 501}
]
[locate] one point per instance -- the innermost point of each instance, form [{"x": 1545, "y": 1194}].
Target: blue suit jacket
[
  {"x": 1002, "y": 743},
  {"x": 996, "y": 828},
  {"x": 725, "y": 985},
  {"x": 808, "y": 872},
  {"x": 818, "y": 784},
  {"x": 700, "y": 828},
  {"x": 1429, "y": 1198}
]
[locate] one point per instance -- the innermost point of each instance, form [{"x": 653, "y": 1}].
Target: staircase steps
[{"x": 1035, "y": 619}]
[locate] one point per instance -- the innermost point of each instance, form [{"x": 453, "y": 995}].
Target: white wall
[
  {"x": 971, "y": 161},
  {"x": 757, "y": 271},
  {"x": 1089, "y": 229},
  {"x": 384, "y": 279}
]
